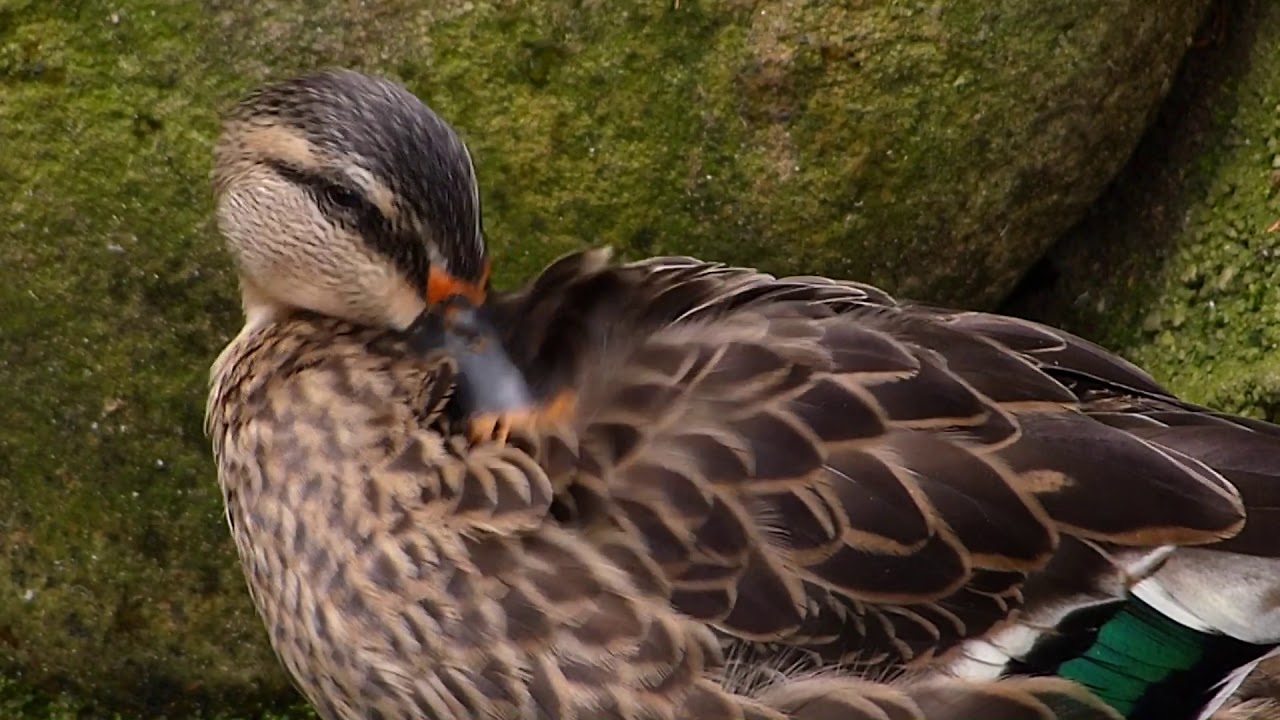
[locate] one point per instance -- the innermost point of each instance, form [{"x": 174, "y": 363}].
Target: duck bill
[{"x": 489, "y": 382}]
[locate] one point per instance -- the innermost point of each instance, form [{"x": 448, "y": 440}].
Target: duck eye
[{"x": 343, "y": 197}]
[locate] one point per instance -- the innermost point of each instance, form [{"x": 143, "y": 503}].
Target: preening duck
[{"x": 676, "y": 489}]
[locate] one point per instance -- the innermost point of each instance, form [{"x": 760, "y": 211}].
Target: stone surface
[
  {"x": 935, "y": 148},
  {"x": 1178, "y": 266}
]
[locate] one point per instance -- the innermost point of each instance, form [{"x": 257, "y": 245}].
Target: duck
[{"x": 671, "y": 488}]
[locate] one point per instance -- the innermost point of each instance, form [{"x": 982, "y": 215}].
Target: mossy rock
[
  {"x": 935, "y": 148},
  {"x": 1178, "y": 266}
]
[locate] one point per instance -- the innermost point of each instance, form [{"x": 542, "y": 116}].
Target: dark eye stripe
[
  {"x": 343, "y": 196},
  {"x": 343, "y": 203},
  {"x": 348, "y": 206}
]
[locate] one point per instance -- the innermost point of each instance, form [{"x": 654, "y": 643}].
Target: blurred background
[{"x": 1111, "y": 166}]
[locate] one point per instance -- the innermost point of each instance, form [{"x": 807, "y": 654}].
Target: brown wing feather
[
  {"x": 754, "y": 514},
  {"x": 999, "y": 375},
  {"x": 837, "y": 698},
  {"x": 1056, "y": 350},
  {"x": 1100, "y": 482},
  {"x": 1247, "y": 460},
  {"x": 582, "y": 304},
  {"x": 796, "y": 452}
]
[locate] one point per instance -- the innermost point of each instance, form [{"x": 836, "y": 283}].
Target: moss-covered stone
[
  {"x": 1178, "y": 267},
  {"x": 931, "y": 147}
]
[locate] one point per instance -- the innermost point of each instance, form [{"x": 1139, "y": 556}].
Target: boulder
[
  {"x": 933, "y": 147},
  {"x": 1178, "y": 266}
]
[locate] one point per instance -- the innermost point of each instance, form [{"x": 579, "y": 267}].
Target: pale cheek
[
  {"x": 376, "y": 292},
  {"x": 271, "y": 228},
  {"x": 296, "y": 257},
  {"x": 265, "y": 225},
  {"x": 402, "y": 302}
]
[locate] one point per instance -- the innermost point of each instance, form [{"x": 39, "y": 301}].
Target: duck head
[{"x": 344, "y": 195}]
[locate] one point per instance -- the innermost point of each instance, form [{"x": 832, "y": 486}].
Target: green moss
[
  {"x": 116, "y": 564},
  {"x": 20, "y": 703},
  {"x": 932, "y": 148},
  {"x": 1178, "y": 268}
]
